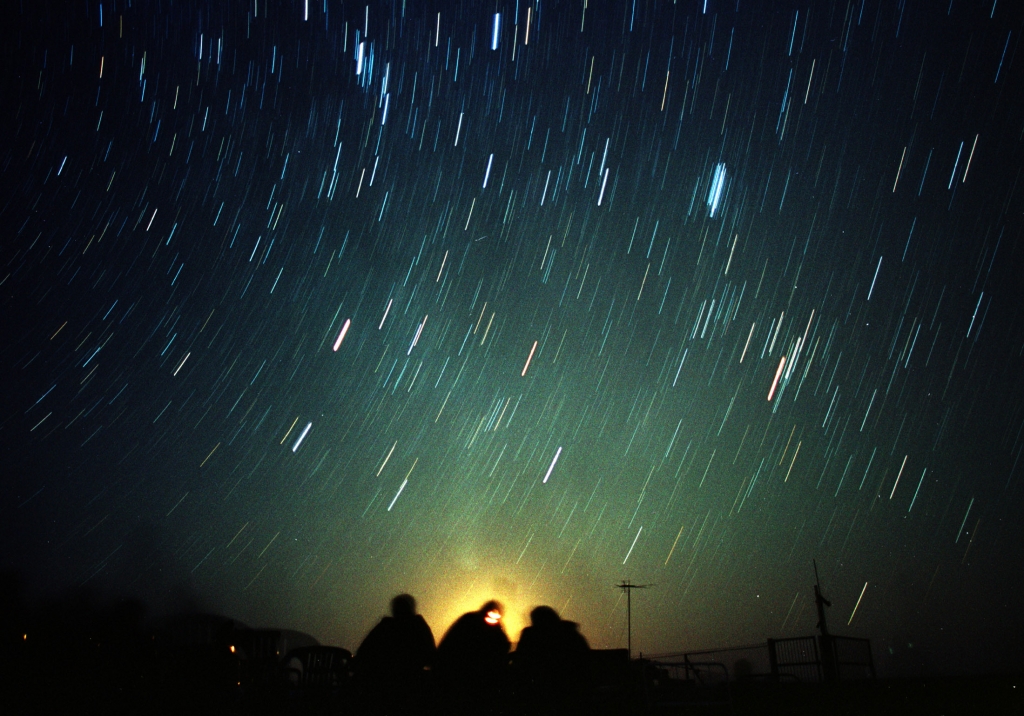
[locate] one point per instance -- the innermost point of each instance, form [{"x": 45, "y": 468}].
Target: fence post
[{"x": 773, "y": 659}]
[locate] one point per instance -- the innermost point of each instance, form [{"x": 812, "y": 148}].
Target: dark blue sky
[{"x": 306, "y": 305}]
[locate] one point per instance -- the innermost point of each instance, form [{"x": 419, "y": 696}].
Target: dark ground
[
  {"x": 77, "y": 657},
  {"x": 932, "y": 696},
  {"x": 928, "y": 696}
]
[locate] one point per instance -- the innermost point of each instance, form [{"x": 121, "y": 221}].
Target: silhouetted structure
[
  {"x": 392, "y": 662},
  {"x": 471, "y": 661},
  {"x": 628, "y": 587},
  {"x": 820, "y": 602},
  {"x": 826, "y": 643},
  {"x": 552, "y": 664},
  {"x": 317, "y": 679}
]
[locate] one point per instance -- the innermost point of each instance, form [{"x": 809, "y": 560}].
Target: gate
[{"x": 821, "y": 658}]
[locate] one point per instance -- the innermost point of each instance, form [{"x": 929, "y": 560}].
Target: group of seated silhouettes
[{"x": 400, "y": 671}]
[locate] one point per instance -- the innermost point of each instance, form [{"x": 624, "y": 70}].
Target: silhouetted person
[
  {"x": 552, "y": 662},
  {"x": 392, "y": 662},
  {"x": 471, "y": 661}
]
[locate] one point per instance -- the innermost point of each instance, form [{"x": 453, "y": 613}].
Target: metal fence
[
  {"x": 713, "y": 666},
  {"x": 809, "y": 659},
  {"x": 796, "y": 659},
  {"x": 821, "y": 658},
  {"x": 853, "y": 658}
]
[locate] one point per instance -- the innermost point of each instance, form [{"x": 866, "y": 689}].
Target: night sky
[{"x": 306, "y": 304}]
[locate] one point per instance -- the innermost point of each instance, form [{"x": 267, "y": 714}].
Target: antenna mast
[
  {"x": 628, "y": 587},
  {"x": 820, "y": 602}
]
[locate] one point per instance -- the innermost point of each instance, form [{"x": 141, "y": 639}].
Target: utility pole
[
  {"x": 820, "y": 602},
  {"x": 829, "y": 660},
  {"x": 628, "y": 587}
]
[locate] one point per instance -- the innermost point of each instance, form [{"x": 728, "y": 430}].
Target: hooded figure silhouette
[
  {"x": 471, "y": 661},
  {"x": 391, "y": 663},
  {"x": 551, "y": 664}
]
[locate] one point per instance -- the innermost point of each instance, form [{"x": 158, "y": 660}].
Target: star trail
[{"x": 307, "y": 303}]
